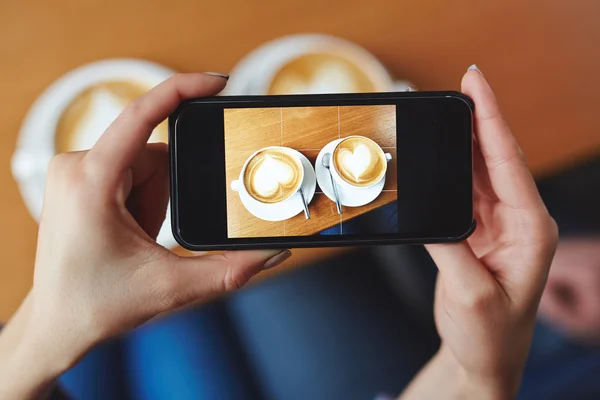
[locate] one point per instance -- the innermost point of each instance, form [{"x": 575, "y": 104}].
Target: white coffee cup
[
  {"x": 255, "y": 73},
  {"x": 239, "y": 186},
  {"x": 37, "y": 136},
  {"x": 342, "y": 182}
]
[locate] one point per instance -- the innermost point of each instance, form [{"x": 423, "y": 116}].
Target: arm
[
  {"x": 28, "y": 367},
  {"x": 98, "y": 269}
]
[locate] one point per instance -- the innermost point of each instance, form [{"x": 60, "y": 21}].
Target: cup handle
[
  {"x": 388, "y": 157},
  {"x": 235, "y": 185},
  {"x": 403, "y": 86}
]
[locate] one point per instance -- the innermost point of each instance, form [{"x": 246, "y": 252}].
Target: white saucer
[
  {"x": 290, "y": 207},
  {"x": 349, "y": 197}
]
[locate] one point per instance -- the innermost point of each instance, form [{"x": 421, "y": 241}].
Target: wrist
[
  {"x": 31, "y": 358},
  {"x": 444, "y": 377},
  {"x": 469, "y": 385},
  {"x": 56, "y": 339}
]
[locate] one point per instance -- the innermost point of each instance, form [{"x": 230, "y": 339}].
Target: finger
[
  {"x": 118, "y": 147},
  {"x": 464, "y": 276},
  {"x": 482, "y": 187},
  {"x": 203, "y": 276},
  {"x": 509, "y": 175},
  {"x": 149, "y": 196}
]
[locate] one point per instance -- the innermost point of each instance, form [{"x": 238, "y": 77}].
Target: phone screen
[{"x": 321, "y": 170}]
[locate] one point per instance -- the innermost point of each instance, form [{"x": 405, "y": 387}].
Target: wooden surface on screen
[{"x": 308, "y": 130}]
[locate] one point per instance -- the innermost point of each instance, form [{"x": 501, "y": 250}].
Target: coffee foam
[
  {"x": 272, "y": 176},
  {"x": 334, "y": 77},
  {"x": 92, "y": 111},
  {"x": 320, "y": 73},
  {"x": 359, "y": 161}
]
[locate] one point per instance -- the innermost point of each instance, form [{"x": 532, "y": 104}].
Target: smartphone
[{"x": 253, "y": 172}]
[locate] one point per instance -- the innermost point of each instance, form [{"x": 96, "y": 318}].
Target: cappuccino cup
[
  {"x": 271, "y": 175},
  {"x": 72, "y": 113},
  {"x": 311, "y": 64},
  {"x": 358, "y": 162}
]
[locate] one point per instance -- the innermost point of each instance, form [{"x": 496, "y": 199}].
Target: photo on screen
[{"x": 280, "y": 159}]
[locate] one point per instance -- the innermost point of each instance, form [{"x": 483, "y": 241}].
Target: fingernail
[
  {"x": 475, "y": 68},
  {"x": 220, "y": 75},
  {"x": 411, "y": 89},
  {"x": 277, "y": 259}
]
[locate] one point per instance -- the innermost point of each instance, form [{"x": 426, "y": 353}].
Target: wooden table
[
  {"x": 308, "y": 130},
  {"x": 542, "y": 60}
]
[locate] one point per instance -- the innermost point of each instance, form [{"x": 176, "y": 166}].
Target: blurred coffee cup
[
  {"x": 72, "y": 113},
  {"x": 311, "y": 64}
]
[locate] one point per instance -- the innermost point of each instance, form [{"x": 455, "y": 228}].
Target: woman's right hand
[{"x": 489, "y": 287}]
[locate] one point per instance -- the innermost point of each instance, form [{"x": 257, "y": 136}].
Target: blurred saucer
[
  {"x": 349, "y": 197},
  {"x": 288, "y": 208}
]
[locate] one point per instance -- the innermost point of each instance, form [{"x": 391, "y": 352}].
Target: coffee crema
[
  {"x": 321, "y": 73},
  {"x": 91, "y": 111},
  {"x": 359, "y": 161},
  {"x": 272, "y": 175}
]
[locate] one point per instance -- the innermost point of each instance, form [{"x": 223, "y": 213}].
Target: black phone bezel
[{"x": 300, "y": 100}]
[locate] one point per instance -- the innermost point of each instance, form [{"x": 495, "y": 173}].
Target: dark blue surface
[
  {"x": 559, "y": 368},
  {"x": 330, "y": 331},
  {"x": 382, "y": 220},
  {"x": 192, "y": 354}
]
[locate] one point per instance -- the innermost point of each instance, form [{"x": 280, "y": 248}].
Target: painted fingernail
[
  {"x": 277, "y": 259},
  {"x": 220, "y": 75},
  {"x": 474, "y": 67}
]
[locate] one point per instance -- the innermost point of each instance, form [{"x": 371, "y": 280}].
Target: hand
[
  {"x": 489, "y": 287},
  {"x": 99, "y": 270},
  {"x": 571, "y": 300}
]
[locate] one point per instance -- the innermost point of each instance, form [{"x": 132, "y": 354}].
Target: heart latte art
[
  {"x": 272, "y": 175},
  {"x": 359, "y": 161}
]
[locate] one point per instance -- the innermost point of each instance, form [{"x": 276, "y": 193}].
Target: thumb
[{"x": 203, "y": 276}]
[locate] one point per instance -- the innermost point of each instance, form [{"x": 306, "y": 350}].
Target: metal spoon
[
  {"x": 326, "y": 160},
  {"x": 306, "y": 212}
]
